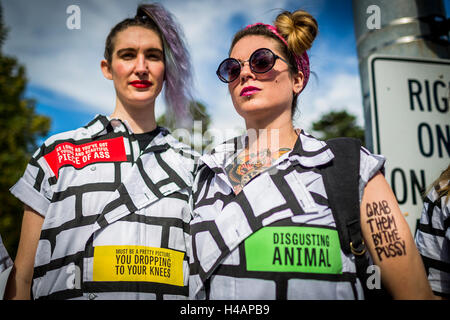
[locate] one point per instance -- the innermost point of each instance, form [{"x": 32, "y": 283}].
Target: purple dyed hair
[{"x": 178, "y": 76}]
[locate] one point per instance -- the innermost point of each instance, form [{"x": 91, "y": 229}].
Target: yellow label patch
[{"x": 138, "y": 263}]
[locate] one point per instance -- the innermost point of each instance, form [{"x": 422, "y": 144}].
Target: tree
[
  {"x": 338, "y": 124},
  {"x": 198, "y": 112},
  {"x": 20, "y": 128}
]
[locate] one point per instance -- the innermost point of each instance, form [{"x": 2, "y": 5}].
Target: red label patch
[{"x": 79, "y": 156}]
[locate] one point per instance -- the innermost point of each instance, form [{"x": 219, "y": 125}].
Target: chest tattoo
[{"x": 246, "y": 166}]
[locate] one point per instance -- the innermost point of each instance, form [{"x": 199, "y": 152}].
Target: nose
[
  {"x": 141, "y": 68},
  {"x": 246, "y": 72}
]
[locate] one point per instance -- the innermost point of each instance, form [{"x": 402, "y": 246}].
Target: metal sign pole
[
  {"x": 404, "y": 28},
  {"x": 403, "y": 50}
]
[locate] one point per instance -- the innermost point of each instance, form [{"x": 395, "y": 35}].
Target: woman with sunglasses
[
  {"x": 262, "y": 225},
  {"x": 106, "y": 205}
]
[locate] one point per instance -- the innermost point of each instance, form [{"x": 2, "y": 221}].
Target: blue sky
[{"x": 63, "y": 66}]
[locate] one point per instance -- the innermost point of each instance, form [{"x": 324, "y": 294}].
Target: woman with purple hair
[{"x": 106, "y": 205}]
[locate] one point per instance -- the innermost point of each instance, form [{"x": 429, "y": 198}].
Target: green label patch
[{"x": 294, "y": 249}]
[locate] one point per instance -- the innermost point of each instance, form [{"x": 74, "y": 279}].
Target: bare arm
[
  {"x": 19, "y": 283},
  {"x": 390, "y": 243}
]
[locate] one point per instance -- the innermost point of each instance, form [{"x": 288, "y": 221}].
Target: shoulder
[
  {"x": 179, "y": 153},
  {"x": 431, "y": 240},
  {"x": 369, "y": 165},
  {"x": 181, "y": 148},
  {"x": 436, "y": 210},
  {"x": 79, "y": 135},
  {"x": 50, "y": 144},
  {"x": 213, "y": 163}
]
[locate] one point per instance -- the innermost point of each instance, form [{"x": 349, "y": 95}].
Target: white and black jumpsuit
[
  {"x": 433, "y": 240},
  {"x": 116, "y": 218},
  {"x": 277, "y": 238}
]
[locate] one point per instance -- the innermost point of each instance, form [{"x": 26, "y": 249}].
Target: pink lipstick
[{"x": 248, "y": 91}]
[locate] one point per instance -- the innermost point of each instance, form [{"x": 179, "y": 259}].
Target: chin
[
  {"x": 252, "y": 113},
  {"x": 253, "y": 107},
  {"x": 143, "y": 97},
  {"x": 141, "y": 103}
]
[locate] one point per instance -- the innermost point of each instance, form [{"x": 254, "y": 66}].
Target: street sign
[{"x": 410, "y": 116}]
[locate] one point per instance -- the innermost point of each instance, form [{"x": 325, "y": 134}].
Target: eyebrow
[{"x": 133, "y": 49}]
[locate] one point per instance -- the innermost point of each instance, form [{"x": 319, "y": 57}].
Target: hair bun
[{"x": 299, "y": 28}]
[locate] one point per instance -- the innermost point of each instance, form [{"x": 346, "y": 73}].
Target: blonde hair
[
  {"x": 299, "y": 28},
  {"x": 442, "y": 189}
]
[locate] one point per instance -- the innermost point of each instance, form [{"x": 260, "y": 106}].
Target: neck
[
  {"x": 271, "y": 134},
  {"x": 140, "y": 119}
]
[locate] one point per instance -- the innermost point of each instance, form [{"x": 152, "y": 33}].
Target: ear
[
  {"x": 106, "y": 70},
  {"x": 298, "y": 80}
]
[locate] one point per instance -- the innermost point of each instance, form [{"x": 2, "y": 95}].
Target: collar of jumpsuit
[{"x": 308, "y": 152}]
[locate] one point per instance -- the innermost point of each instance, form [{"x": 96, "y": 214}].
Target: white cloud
[
  {"x": 340, "y": 91},
  {"x": 59, "y": 59}
]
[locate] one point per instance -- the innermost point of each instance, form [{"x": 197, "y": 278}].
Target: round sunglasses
[{"x": 261, "y": 61}]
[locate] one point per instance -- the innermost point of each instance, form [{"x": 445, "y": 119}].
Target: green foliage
[
  {"x": 338, "y": 124},
  {"x": 20, "y": 127},
  {"x": 199, "y": 114}
]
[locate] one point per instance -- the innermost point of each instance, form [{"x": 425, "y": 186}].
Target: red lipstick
[
  {"x": 248, "y": 91},
  {"x": 141, "y": 84}
]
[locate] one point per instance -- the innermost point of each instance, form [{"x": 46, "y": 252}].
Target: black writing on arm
[{"x": 383, "y": 230}]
